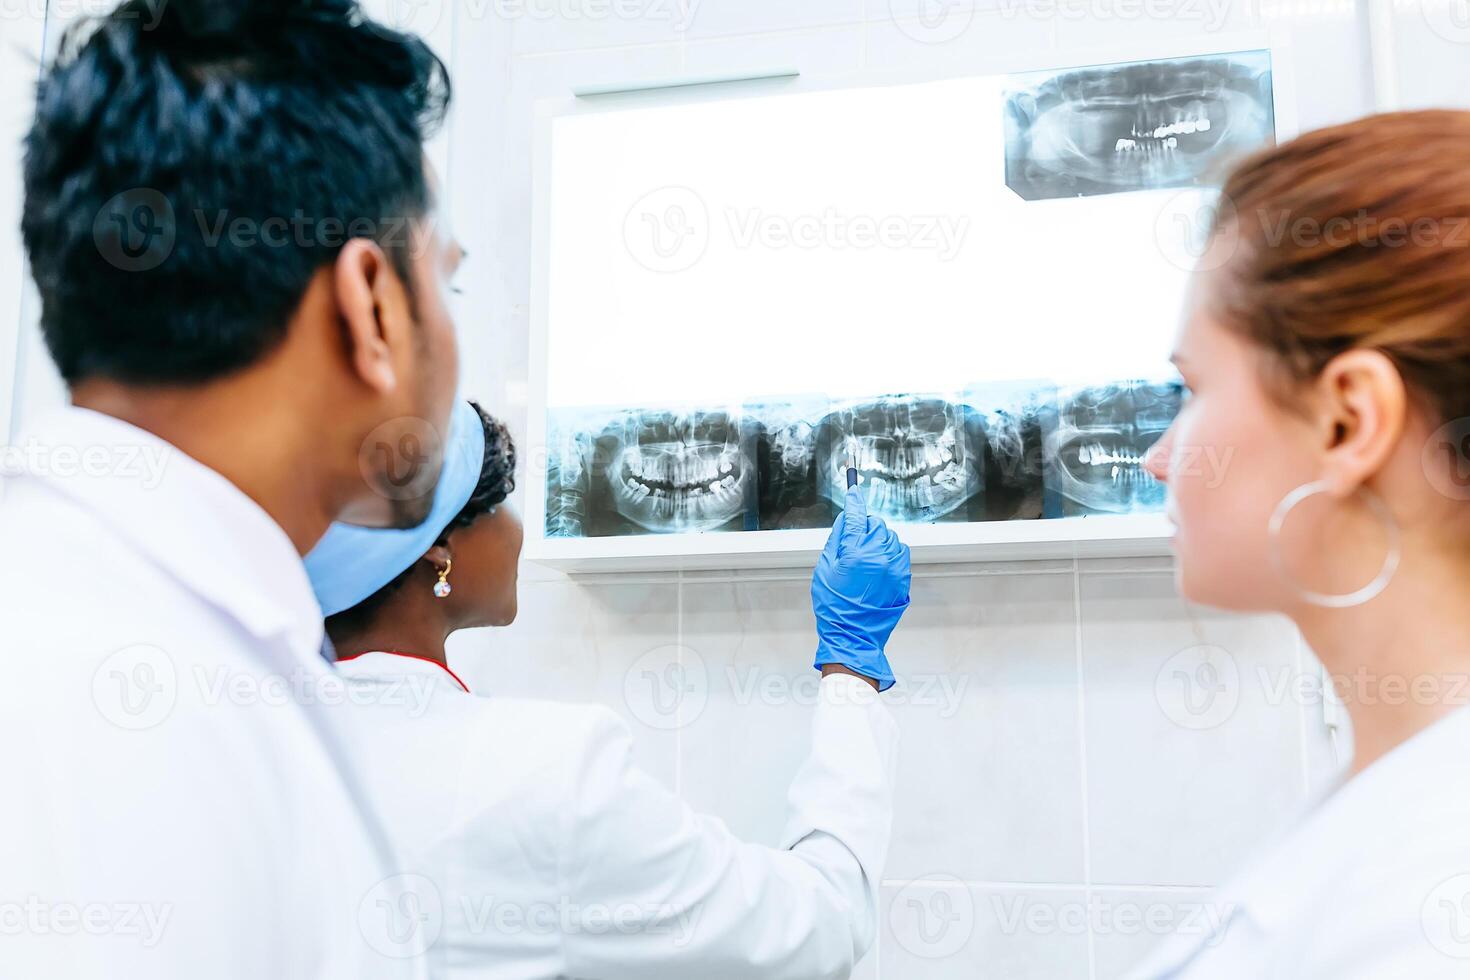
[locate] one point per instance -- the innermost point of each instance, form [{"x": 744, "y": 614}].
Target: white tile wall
[
  {"x": 1168, "y": 688},
  {"x": 942, "y": 929},
  {"x": 1127, "y": 923},
  {"x": 1430, "y": 44}
]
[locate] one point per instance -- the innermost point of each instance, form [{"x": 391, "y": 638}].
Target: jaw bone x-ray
[
  {"x": 1020, "y": 451},
  {"x": 1096, "y": 450},
  {"x": 921, "y": 458},
  {"x": 649, "y": 471},
  {"x": 914, "y": 456},
  {"x": 1135, "y": 126}
]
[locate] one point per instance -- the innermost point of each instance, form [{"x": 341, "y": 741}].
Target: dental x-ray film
[
  {"x": 649, "y": 471},
  {"x": 1096, "y": 447},
  {"x": 997, "y": 451},
  {"x": 786, "y": 454},
  {"x": 992, "y": 379},
  {"x": 1135, "y": 126},
  {"x": 920, "y": 459}
]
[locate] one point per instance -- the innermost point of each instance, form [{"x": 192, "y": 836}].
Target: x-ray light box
[{"x": 969, "y": 287}]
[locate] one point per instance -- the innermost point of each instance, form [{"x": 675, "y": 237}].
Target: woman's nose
[{"x": 1156, "y": 460}]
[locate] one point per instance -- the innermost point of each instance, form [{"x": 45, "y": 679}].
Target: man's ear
[
  {"x": 1364, "y": 407},
  {"x": 368, "y": 294}
]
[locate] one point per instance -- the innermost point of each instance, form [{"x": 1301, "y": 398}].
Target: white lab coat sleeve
[{"x": 654, "y": 890}]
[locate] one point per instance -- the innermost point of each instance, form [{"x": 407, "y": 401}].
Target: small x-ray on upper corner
[{"x": 1135, "y": 126}]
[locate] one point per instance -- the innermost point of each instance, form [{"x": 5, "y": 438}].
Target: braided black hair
[{"x": 497, "y": 474}]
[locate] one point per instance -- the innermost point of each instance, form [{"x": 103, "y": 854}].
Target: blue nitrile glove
[{"x": 859, "y": 591}]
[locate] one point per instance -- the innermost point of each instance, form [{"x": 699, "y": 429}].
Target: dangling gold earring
[{"x": 442, "y": 587}]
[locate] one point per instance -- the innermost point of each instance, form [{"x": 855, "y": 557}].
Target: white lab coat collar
[
  {"x": 186, "y": 518},
  {"x": 1361, "y": 821},
  {"x": 1360, "y": 814},
  {"x": 387, "y": 665}
]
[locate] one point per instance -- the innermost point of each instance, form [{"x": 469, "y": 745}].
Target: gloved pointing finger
[{"x": 860, "y": 589}]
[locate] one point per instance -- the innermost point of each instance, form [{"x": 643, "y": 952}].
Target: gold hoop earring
[
  {"x": 442, "y": 587},
  {"x": 1326, "y": 599}
]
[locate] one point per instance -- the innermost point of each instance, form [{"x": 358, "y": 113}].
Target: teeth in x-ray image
[
  {"x": 635, "y": 471},
  {"x": 681, "y": 472},
  {"x": 916, "y": 458},
  {"x": 1135, "y": 126},
  {"x": 1096, "y": 451},
  {"x": 673, "y": 472}
]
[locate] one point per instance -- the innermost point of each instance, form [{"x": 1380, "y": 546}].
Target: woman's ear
[
  {"x": 1363, "y": 404},
  {"x": 439, "y": 555}
]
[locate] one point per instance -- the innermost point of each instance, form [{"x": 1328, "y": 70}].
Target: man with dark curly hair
[{"x": 230, "y": 222}]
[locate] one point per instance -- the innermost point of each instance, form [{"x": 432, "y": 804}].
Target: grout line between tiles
[
  {"x": 801, "y": 574},
  {"x": 1055, "y": 886},
  {"x": 1082, "y": 757},
  {"x": 679, "y": 646}
]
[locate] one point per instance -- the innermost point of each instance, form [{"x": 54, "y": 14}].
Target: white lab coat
[
  {"x": 1374, "y": 884},
  {"x": 171, "y": 807},
  {"x": 548, "y": 854}
]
